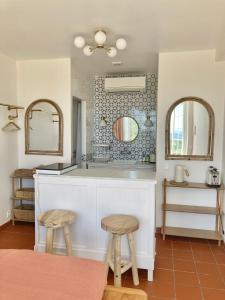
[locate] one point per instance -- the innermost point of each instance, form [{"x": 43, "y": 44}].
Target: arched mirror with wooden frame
[
  {"x": 190, "y": 124},
  {"x": 44, "y": 128}
]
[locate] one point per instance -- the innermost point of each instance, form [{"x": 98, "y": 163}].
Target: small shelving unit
[
  {"x": 188, "y": 232},
  {"x": 22, "y": 196}
]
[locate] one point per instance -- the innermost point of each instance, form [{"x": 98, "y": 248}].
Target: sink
[{"x": 122, "y": 164}]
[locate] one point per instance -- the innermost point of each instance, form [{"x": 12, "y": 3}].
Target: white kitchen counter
[
  {"x": 118, "y": 174},
  {"x": 93, "y": 194}
]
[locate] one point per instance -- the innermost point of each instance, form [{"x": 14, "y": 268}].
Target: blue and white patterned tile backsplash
[{"x": 134, "y": 104}]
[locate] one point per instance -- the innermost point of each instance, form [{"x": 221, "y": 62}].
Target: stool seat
[
  {"x": 120, "y": 224},
  {"x": 56, "y": 218}
]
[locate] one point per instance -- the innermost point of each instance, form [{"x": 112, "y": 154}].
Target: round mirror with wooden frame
[
  {"x": 44, "y": 128},
  {"x": 125, "y": 129},
  {"x": 190, "y": 124}
]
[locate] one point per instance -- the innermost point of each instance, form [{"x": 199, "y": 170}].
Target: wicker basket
[
  {"x": 25, "y": 173},
  {"x": 24, "y": 212},
  {"x": 25, "y": 193}
]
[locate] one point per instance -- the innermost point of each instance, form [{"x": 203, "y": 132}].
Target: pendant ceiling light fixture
[{"x": 100, "y": 39}]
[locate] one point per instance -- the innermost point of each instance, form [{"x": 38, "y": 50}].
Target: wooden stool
[
  {"x": 54, "y": 219},
  {"x": 119, "y": 225}
]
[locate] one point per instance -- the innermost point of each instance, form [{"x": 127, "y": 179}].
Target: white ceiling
[{"x": 36, "y": 29}]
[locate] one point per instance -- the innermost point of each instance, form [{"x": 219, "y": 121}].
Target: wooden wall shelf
[
  {"x": 190, "y": 185},
  {"x": 191, "y": 209},
  {"x": 187, "y": 232},
  {"x": 194, "y": 233}
]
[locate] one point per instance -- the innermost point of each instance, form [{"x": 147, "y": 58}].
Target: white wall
[
  {"x": 8, "y": 140},
  {"x": 184, "y": 74},
  {"x": 45, "y": 79}
]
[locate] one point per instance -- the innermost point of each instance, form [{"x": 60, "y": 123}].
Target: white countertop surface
[{"x": 108, "y": 173}]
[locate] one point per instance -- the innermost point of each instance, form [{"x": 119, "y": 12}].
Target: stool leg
[
  {"x": 117, "y": 260},
  {"x": 133, "y": 259},
  {"x": 108, "y": 258},
  {"x": 49, "y": 240},
  {"x": 68, "y": 240}
]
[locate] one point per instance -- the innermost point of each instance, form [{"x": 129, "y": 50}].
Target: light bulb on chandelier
[
  {"x": 121, "y": 44},
  {"x": 112, "y": 52},
  {"x": 87, "y": 50},
  {"x": 79, "y": 42},
  {"x": 100, "y": 39}
]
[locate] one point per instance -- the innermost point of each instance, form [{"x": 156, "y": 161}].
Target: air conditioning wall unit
[{"x": 125, "y": 84}]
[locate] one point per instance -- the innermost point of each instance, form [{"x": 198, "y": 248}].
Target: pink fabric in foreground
[{"x": 25, "y": 274}]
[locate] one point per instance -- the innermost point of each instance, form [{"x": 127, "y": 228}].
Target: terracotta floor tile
[
  {"x": 200, "y": 247},
  {"x": 204, "y": 257},
  {"x": 4, "y": 235},
  {"x": 211, "y": 281},
  {"x": 212, "y": 294},
  {"x": 21, "y": 243},
  {"x": 177, "y": 238},
  {"x": 179, "y": 245},
  {"x": 188, "y": 293},
  {"x": 163, "y": 276},
  {"x": 184, "y": 265},
  {"x": 19, "y": 227},
  {"x": 186, "y": 278},
  {"x": 163, "y": 244},
  {"x": 222, "y": 270},
  {"x": 165, "y": 290},
  {"x": 142, "y": 274},
  {"x": 204, "y": 250},
  {"x": 163, "y": 263},
  {"x": 164, "y": 252},
  {"x": 206, "y": 268},
  {"x": 220, "y": 259},
  {"x": 182, "y": 254},
  {"x": 12, "y": 237},
  {"x": 3, "y": 244},
  {"x": 199, "y": 241},
  {"x": 217, "y": 250}
]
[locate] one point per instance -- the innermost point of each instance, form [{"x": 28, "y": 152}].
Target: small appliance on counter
[
  {"x": 56, "y": 169},
  {"x": 149, "y": 158},
  {"x": 180, "y": 172},
  {"x": 213, "y": 177}
]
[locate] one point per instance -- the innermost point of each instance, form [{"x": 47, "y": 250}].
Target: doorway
[{"x": 77, "y": 130}]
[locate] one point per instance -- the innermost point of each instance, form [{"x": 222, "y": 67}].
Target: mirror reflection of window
[
  {"x": 177, "y": 130},
  {"x": 125, "y": 129},
  {"x": 189, "y": 129},
  {"x": 44, "y": 128}
]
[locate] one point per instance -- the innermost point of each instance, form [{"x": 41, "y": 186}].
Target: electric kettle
[{"x": 180, "y": 172}]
